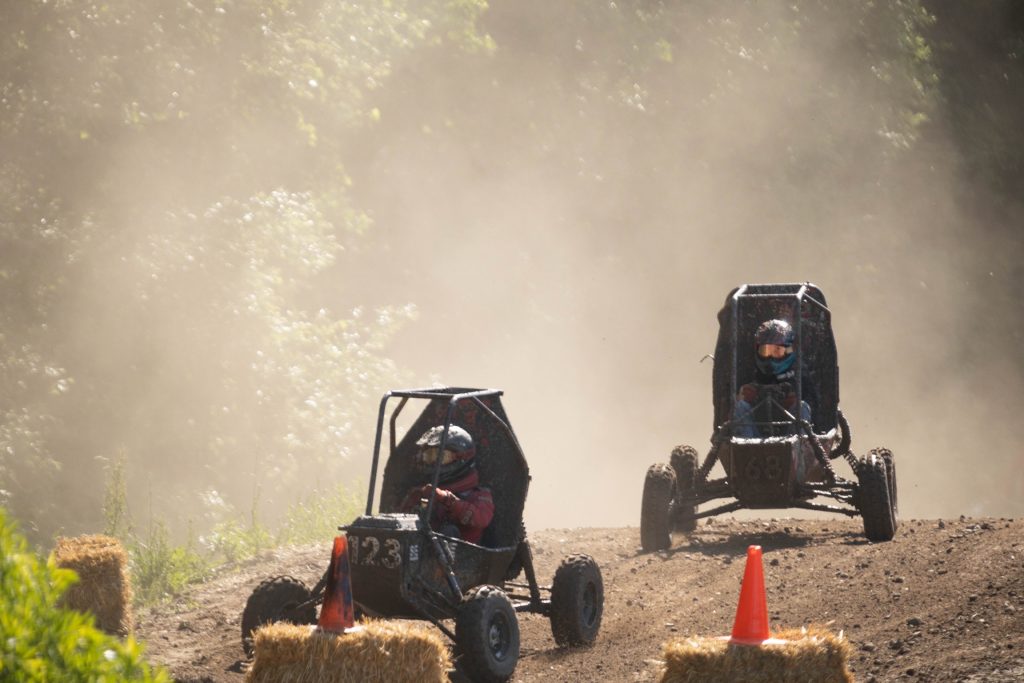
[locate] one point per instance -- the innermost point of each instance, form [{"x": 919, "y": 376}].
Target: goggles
[
  {"x": 428, "y": 456},
  {"x": 774, "y": 351}
]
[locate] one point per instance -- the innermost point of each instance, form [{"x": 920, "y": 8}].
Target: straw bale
[
  {"x": 811, "y": 654},
  {"x": 103, "y": 588},
  {"x": 376, "y": 651}
]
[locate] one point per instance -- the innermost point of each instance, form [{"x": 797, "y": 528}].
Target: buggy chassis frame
[
  {"x": 425, "y": 600},
  {"x": 841, "y": 490}
]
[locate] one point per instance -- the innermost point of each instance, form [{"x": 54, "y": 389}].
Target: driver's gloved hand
[{"x": 444, "y": 497}]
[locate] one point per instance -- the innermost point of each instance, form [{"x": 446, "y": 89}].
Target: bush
[
  {"x": 40, "y": 641},
  {"x": 316, "y": 517},
  {"x": 160, "y": 569}
]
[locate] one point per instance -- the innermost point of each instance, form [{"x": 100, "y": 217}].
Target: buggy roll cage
[
  {"x": 794, "y": 296},
  {"x": 455, "y": 396}
]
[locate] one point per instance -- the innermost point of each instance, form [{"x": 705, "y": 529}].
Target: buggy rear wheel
[
  {"x": 684, "y": 464},
  {"x": 487, "y": 635},
  {"x": 280, "y": 598},
  {"x": 874, "y": 498},
  {"x": 577, "y": 601},
  {"x": 659, "y": 490}
]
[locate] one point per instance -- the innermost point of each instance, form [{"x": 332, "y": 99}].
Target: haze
[{"x": 566, "y": 216}]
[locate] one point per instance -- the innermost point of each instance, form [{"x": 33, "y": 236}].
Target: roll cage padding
[
  {"x": 499, "y": 461},
  {"x": 745, "y": 309}
]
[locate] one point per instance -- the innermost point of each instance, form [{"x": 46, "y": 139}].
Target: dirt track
[{"x": 944, "y": 601}]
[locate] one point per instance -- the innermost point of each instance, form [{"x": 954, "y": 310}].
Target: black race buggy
[
  {"x": 788, "y": 463},
  {"x": 401, "y": 568}
]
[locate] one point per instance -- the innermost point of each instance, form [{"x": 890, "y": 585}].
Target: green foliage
[
  {"x": 160, "y": 569},
  {"x": 115, "y": 501},
  {"x": 317, "y": 515},
  {"x": 174, "y": 219},
  {"x": 235, "y": 541},
  {"x": 41, "y": 642}
]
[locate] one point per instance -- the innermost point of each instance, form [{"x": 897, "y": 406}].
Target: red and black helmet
[{"x": 459, "y": 452}]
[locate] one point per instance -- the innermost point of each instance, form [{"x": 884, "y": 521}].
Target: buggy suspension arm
[
  {"x": 526, "y": 558},
  {"x": 819, "y": 452},
  {"x": 849, "y": 512},
  {"x": 712, "y": 456},
  {"x": 844, "y": 443},
  {"x": 418, "y": 603},
  {"x": 444, "y": 554}
]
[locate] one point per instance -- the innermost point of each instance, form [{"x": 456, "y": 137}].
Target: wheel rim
[
  {"x": 499, "y": 636},
  {"x": 589, "y": 611}
]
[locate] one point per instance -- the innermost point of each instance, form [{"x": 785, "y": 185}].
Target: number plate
[{"x": 370, "y": 551}]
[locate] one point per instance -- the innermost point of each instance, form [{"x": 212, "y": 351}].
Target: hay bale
[
  {"x": 103, "y": 588},
  {"x": 376, "y": 651},
  {"x": 811, "y": 654}
]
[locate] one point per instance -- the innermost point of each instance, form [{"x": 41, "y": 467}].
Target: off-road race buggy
[
  {"x": 401, "y": 568},
  {"x": 788, "y": 463}
]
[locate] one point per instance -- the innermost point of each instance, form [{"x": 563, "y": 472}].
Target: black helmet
[
  {"x": 773, "y": 347},
  {"x": 459, "y": 452}
]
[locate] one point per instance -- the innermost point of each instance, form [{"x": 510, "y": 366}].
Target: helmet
[
  {"x": 773, "y": 346},
  {"x": 459, "y": 452}
]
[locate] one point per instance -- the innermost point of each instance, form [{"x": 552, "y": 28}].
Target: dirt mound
[{"x": 944, "y": 601}]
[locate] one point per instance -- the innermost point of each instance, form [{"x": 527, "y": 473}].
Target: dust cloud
[
  {"x": 592, "y": 303},
  {"x": 568, "y": 226}
]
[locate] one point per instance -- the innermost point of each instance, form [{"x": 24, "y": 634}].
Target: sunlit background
[{"x": 228, "y": 227}]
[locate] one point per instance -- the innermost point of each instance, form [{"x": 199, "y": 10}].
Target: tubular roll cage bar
[{"x": 800, "y": 296}]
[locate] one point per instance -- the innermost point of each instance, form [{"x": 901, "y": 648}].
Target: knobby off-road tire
[
  {"x": 276, "y": 599},
  {"x": 487, "y": 635},
  {"x": 577, "y": 601},
  {"x": 890, "y": 475},
  {"x": 659, "y": 490},
  {"x": 873, "y": 499},
  {"x": 684, "y": 464}
]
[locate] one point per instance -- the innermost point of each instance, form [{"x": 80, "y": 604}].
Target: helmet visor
[
  {"x": 776, "y": 351},
  {"x": 429, "y": 455}
]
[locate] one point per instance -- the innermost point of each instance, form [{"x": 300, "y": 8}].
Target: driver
[
  {"x": 463, "y": 508},
  {"x": 775, "y": 358}
]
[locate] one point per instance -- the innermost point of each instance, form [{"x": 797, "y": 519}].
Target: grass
[{"x": 161, "y": 569}]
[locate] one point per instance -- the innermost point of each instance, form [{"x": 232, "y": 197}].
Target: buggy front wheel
[
  {"x": 487, "y": 635},
  {"x": 577, "y": 601},
  {"x": 890, "y": 476},
  {"x": 280, "y": 598},
  {"x": 684, "y": 464},
  {"x": 874, "y": 498},
  {"x": 659, "y": 489}
]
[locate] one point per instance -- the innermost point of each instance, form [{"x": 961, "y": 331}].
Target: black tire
[
  {"x": 873, "y": 499},
  {"x": 659, "y": 490},
  {"x": 280, "y": 598},
  {"x": 487, "y": 635},
  {"x": 684, "y": 464},
  {"x": 577, "y": 601},
  {"x": 890, "y": 476}
]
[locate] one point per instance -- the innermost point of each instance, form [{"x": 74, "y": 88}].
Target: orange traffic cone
[
  {"x": 751, "y": 625},
  {"x": 337, "y": 612}
]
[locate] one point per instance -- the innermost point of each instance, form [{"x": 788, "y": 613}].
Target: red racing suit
[{"x": 463, "y": 503}]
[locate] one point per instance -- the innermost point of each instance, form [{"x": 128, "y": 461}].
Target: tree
[{"x": 173, "y": 193}]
